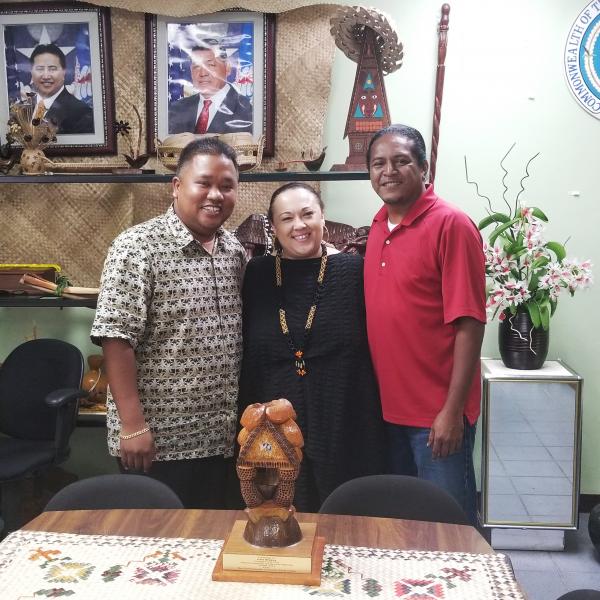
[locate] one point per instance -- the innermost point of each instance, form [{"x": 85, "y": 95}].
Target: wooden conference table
[
  {"x": 216, "y": 524},
  {"x": 364, "y": 554}
]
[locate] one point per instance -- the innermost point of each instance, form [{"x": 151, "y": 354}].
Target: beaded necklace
[{"x": 299, "y": 352}]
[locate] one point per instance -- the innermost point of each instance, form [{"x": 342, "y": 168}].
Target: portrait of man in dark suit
[
  {"x": 217, "y": 107},
  {"x": 53, "y": 101}
]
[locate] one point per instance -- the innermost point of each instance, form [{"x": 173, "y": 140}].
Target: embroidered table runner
[{"x": 36, "y": 564}]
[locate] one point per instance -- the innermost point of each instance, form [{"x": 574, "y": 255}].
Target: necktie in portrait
[{"x": 202, "y": 123}]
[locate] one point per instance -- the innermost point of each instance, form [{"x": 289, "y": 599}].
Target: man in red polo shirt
[{"x": 425, "y": 301}]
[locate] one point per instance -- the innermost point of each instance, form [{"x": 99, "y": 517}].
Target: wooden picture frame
[
  {"x": 82, "y": 33},
  {"x": 240, "y": 46}
]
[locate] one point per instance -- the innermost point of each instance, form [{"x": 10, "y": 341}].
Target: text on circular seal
[{"x": 582, "y": 58}]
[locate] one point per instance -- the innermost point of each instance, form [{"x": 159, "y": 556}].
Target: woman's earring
[{"x": 327, "y": 232}]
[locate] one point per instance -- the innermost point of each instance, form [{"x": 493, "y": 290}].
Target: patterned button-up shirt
[{"x": 180, "y": 309}]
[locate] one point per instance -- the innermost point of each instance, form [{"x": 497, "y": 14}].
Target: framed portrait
[
  {"x": 58, "y": 57},
  {"x": 211, "y": 74}
]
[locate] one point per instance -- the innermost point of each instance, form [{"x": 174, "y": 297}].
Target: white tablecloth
[{"x": 95, "y": 567}]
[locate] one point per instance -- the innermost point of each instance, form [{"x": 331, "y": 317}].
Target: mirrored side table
[{"x": 531, "y": 450}]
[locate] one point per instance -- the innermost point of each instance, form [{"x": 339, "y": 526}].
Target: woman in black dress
[{"x": 305, "y": 340}]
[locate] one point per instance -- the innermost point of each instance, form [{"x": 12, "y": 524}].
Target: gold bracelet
[{"x": 135, "y": 434}]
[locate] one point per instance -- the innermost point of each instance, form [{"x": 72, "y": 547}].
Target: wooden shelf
[
  {"x": 44, "y": 301},
  {"x": 251, "y": 176}
]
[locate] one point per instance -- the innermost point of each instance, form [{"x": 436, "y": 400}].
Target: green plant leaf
[
  {"x": 512, "y": 248},
  {"x": 534, "y": 313},
  {"x": 533, "y": 283},
  {"x": 540, "y": 296},
  {"x": 541, "y": 261},
  {"x": 520, "y": 251},
  {"x": 500, "y": 230},
  {"x": 61, "y": 283},
  {"x": 558, "y": 249},
  {"x": 515, "y": 247},
  {"x": 545, "y": 314},
  {"x": 538, "y": 214},
  {"x": 553, "y": 305},
  {"x": 493, "y": 218}
]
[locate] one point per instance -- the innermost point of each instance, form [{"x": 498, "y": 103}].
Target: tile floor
[{"x": 548, "y": 575}]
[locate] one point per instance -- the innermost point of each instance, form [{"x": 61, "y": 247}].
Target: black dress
[{"x": 337, "y": 402}]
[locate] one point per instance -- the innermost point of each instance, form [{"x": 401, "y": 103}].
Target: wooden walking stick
[{"x": 439, "y": 87}]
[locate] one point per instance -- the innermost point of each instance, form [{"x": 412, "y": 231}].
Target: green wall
[
  {"x": 504, "y": 83},
  {"x": 17, "y": 325}
]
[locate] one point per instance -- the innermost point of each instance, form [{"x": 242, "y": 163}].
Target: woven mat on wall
[
  {"x": 184, "y": 8},
  {"x": 70, "y": 225},
  {"x": 73, "y": 225}
]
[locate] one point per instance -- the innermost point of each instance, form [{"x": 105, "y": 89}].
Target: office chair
[
  {"x": 581, "y": 595},
  {"x": 114, "y": 491},
  {"x": 594, "y": 527},
  {"x": 394, "y": 496},
  {"x": 39, "y": 391}
]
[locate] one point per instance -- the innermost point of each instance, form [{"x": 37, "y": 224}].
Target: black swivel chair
[
  {"x": 40, "y": 385},
  {"x": 114, "y": 491},
  {"x": 581, "y": 595},
  {"x": 394, "y": 496}
]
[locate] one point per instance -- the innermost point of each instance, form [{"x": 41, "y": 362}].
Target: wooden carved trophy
[
  {"x": 365, "y": 36},
  {"x": 270, "y": 546},
  {"x": 268, "y": 465}
]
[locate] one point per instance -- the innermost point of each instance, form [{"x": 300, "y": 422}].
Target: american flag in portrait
[{"x": 236, "y": 42}]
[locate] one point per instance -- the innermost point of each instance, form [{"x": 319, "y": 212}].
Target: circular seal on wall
[{"x": 582, "y": 58}]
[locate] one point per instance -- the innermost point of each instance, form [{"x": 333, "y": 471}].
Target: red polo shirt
[{"x": 419, "y": 278}]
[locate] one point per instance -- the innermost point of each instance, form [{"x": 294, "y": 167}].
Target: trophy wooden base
[{"x": 298, "y": 564}]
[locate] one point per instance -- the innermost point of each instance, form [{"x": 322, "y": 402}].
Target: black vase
[{"x": 522, "y": 346}]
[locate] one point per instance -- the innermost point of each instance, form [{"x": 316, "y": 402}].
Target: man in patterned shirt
[{"x": 169, "y": 322}]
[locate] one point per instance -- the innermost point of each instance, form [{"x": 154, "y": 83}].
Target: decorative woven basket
[
  {"x": 169, "y": 150},
  {"x": 249, "y": 153},
  {"x": 168, "y": 156}
]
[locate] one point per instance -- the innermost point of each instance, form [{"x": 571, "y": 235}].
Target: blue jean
[{"x": 409, "y": 455}]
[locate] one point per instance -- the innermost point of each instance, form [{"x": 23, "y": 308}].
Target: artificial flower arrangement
[
  {"x": 134, "y": 159},
  {"x": 33, "y": 133},
  {"x": 525, "y": 271},
  {"x": 25, "y": 128}
]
